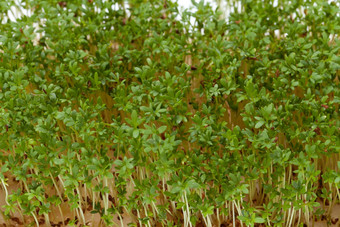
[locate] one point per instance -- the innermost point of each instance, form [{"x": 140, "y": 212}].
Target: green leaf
[
  {"x": 259, "y": 124},
  {"x": 134, "y": 118},
  {"x": 59, "y": 161},
  {"x": 162, "y": 129},
  {"x": 259, "y": 220},
  {"x": 149, "y": 61},
  {"x": 135, "y": 133},
  {"x": 192, "y": 184},
  {"x": 337, "y": 180},
  {"x": 176, "y": 189}
]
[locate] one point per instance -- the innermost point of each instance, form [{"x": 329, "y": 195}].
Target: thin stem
[
  {"x": 121, "y": 220},
  {"x": 80, "y": 207},
  {"x": 187, "y": 205},
  {"x": 35, "y": 218},
  {"x": 6, "y": 192},
  {"x": 233, "y": 207}
]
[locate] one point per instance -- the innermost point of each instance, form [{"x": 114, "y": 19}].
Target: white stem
[
  {"x": 233, "y": 206},
  {"x": 138, "y": 215},
  {"x": 6, "y": 192},
  {"x": 35, "y": 218},
  {"x": 121, "y": 220},
  {"x": 80, "y": 207},
  {"x": 188, "y": 210},
  {"x": 204, "y": 219}
]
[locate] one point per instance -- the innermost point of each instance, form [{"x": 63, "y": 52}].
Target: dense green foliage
[{"x": 121, "y": 108}]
